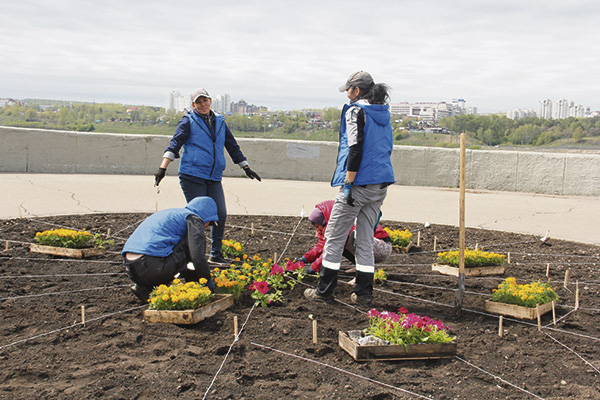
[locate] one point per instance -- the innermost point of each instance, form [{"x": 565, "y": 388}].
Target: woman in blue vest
[
  {"x": 363, "y": 173},
  {"x": 203, "y": 134},
  {"x": 165, "y": 242}
]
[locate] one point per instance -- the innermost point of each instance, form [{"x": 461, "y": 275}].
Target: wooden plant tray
[
  {"x": 66, "y": 252},
  {"x": 396, "y": 352},
  {"x": 400, "y": 249},
  {"x": 187, "y": 317},
  {"x": 478, "y": 271},
  {"x": 513, "y": 310}
]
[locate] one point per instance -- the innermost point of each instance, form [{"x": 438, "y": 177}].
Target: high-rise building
[
  {"x": 177, "y": 102},
  {"x": 222, "y": 104},
  {"x": 432, "y": 112},
  {"x": 545, "y": 109}
]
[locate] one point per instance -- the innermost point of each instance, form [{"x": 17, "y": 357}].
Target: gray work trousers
[{"x": 364, "y": 214}]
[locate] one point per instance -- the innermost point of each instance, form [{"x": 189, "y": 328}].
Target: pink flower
[
  {"x": 262, "y": 287},
  {"x": 276, "y": 269},
  {"x": 290, "y": 266},
  {"x": 403, "y": 310}
]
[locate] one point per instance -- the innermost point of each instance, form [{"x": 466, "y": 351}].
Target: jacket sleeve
[
  {"x": 182, "y": 134},
  {"x": 197, "y": 245},
  {"x": 233, "y": 148},
  {"x": 355, "y": 122},
  {"x": 317, "y": 250}
]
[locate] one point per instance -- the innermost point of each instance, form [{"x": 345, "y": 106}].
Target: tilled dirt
[{"x": 46, "y": 353}]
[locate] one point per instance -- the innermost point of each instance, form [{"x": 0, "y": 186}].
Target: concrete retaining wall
[{"x": 47, "y": 151}]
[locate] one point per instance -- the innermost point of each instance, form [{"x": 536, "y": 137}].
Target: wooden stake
[
  {"x": 435, "y": 243},
  {"x": 500, "y": 329},
  {"x": 576, "y": 295},
  {"x": 274, "y": 258},
  {"x": 314, "y": 329},
  {"x": 252, "y": 228},
  {"x": 6, "y": 246},
  {"x": 20, "y": 215},
  {"x": 83, "y": 315},
  {"x": 566, "y": 277},
  {"x": 539, "y": 317},
  {"x": 418, "y": 238},
  {"x": 156, "y": 206},
  {"x": 235, "y": 326},
  {"x": 108, "y": 233},
  {"x": 476, "y": 246},
  {"x": 554, "y": 311},
  {"x": 508, "y": 257},
  {"x": 548, "y": 271}
]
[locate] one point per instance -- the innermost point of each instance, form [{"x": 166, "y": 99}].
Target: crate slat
[
  {"x": 396, "y": 352},
  {"x": 187, "y": 317},
  {"x": 478, "y": 271},
  {"x": 513, "y": 310},
  {"x": 67, "y": 252}
]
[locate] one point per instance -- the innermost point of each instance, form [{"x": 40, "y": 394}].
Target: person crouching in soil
[
  {"x": 319, "y": 217},
  {"x": 165, "y": 242}
]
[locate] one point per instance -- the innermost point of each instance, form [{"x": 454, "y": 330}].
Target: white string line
[
  {"x": 561, "y": 318},
  {"x": 291, "y": 237},
  {"x": 229, "y": 351},
  {"x": 66, "y": 291},
  {"x": 574, "y": 352},
  {"x": 269, "y": 231},
  {"x": 342, "y": 370},
  {"x": 61, "y": 260},
  {"x": 437, "y": 287},
  {"x": 60, "y": 275},
  {"x": 500, "y": 379},
  {"x": 70, "y": 326}
]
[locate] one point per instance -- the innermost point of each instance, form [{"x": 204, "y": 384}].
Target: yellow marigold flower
[
  {"x": 165, "y": 297},
  {"x": 203, "y": 281}
]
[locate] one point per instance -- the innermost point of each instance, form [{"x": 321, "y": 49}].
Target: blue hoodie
[
  {"x": 161, "y": 231},
  {"x": 376, "y": 166}
]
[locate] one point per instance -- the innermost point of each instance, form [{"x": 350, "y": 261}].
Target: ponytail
[{"x": 379, "y": 94}]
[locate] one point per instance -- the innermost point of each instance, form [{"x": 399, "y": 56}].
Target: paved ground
[{"x": 569, "y": 218}]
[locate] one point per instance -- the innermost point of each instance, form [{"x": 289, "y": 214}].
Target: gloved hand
[
  {"x": 348, "y": 194},
  {"x": 302, "y": 259},
  {"x": 159, "y": 175},
  {"x": 251, "y": 174}
]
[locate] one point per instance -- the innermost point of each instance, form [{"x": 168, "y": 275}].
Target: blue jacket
[
  {"x": 378, "y": 143},
  {"x": 203, "y": 155},
  {"x": 161, "y": 231}
]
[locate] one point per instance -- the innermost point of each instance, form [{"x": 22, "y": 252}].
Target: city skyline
[{"x": 497, "y": 56}]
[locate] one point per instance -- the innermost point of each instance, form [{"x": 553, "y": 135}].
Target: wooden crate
[
  {"x": 219, "y": 302},
  {"x": 479, "y": 271},
  {"x": 513, "y": 310},
  {"x": 400, "y": 249},
  {"x": 66, "y": 252},
  {"x": 395, "y": 352}
]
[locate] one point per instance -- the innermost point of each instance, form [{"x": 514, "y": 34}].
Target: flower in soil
[
  {"x": 405, "y": 328},
  {"x": 231, "y": 248},
  {"x": 529, "y": 295},
  {"x": 399, "y": 238},
  {"x": 380, "y": 276},
  {"x": 180, "y": 296},
  {"x": 473, "y": 258}
]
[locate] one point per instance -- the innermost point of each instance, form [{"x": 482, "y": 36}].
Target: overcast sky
[{"x": 283, "y": 54}]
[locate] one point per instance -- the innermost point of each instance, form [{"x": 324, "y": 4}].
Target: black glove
[
  {"x": 348, "y": 194},
  {"x": 251, "y": 174},
  {"x": 159, "y": 175}
]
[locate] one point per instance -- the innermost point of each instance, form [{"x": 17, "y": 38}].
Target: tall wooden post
[{"x": 461, "y": 228}]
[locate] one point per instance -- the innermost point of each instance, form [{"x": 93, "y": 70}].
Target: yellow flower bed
[
  {"x": 231, "y": 248},
  {"x": 528, "y": 295},
  {"x": 473, "y": 258},
  {"x": 399, "y": 238},
  {"x": 64, "y": 238},
  {"x": 180, "y": 296}
]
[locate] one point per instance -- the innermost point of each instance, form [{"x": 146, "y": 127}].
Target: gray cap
[
  {"x": 361, "y": 79},
  {"x": 199, "y": 93}
]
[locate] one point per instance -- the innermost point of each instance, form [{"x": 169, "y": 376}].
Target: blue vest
[
  {"x": 376, "y": 165},
  {"x": 203, "y": 155},
  {"x": 159, "y": 233}
]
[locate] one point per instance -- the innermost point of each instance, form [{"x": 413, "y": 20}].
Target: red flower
[
  {"x": 403, "y": 310},
  {"x": 276, "y": 269},
  {"x": 262, "y": 287}
]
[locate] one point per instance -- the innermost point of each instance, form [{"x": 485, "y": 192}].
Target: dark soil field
[{"x": 46, "y": 352}]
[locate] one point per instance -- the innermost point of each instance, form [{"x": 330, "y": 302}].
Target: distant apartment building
[
  {"x": 222, "y": 104},
  {"x": 432, "y": 111},
  {"x": 177, "y": 102},
  {"x": 520, "y": 113},
  {"x": 242, "y": 107},
  {"x": 562, "y": 109}
]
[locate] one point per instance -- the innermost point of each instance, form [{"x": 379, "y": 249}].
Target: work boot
[
  {"x": 363, "y": 301},
  {"x": 218, "y": 259},
  {"x": 141, "y": 292},
  {"x": 313, "y": 295}
]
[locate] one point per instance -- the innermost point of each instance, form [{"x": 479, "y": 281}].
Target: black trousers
[{"x": 150, "y": 271}]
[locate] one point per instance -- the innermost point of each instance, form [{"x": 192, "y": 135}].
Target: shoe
[
  {"x": 313, "y": 295},
  {"x": 364, "y": 301},
  {"x": 218, "y": 260},
  {"x": 141, "y": 292}
]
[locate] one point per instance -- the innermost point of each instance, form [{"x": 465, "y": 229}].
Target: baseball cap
[
  {"x": 199, "y": 93},
  {"x": 361, "y": 79}
]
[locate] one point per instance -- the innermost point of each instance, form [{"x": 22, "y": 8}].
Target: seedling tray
[
  {"x": 513, "y": 310},
  {"x": 478, "y": 271},
  {"x": 395, "y": 352},
  {"x": 67, "y": 252},
  {"x": 219, "y": 302}
]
